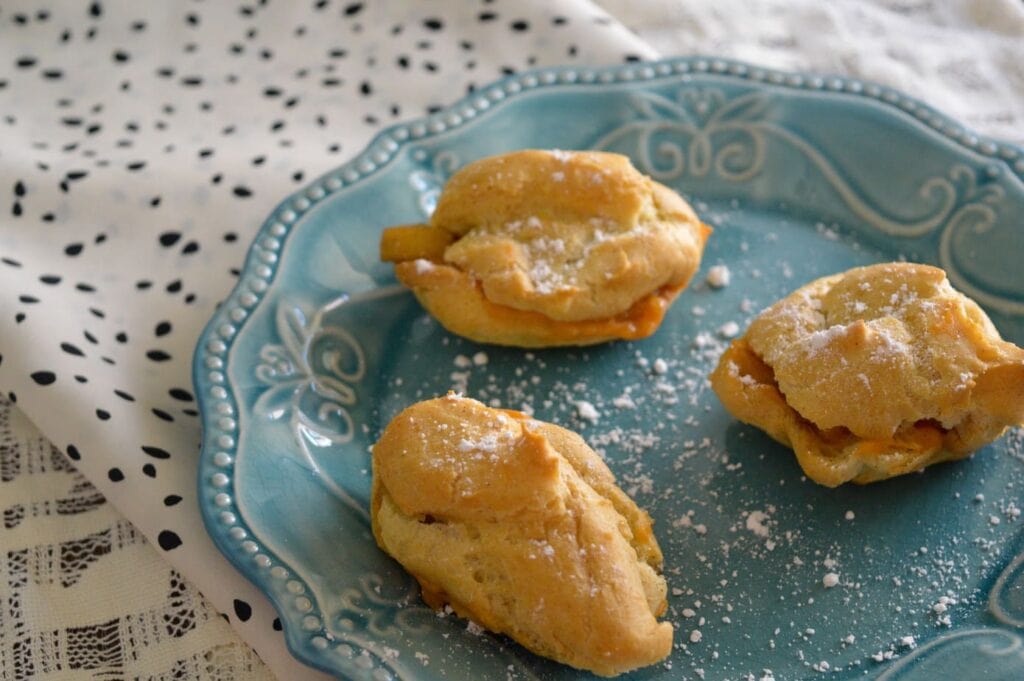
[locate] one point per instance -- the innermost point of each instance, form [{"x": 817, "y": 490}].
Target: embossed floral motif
[
  {"x": 1006, "y": 599},
  {"x": 369, "y": 607},
  {"x": 311, "y": 373},
  {"x": 966, "y": 654},
  {"x": 701, "y": 131},
  {"x": 679, "y": 136}
]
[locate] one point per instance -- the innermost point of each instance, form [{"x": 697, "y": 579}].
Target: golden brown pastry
[
  {"x": 873, "y": 373},
  {"x": 542, "y": 248},
  {"x": 519, "y": 525}
]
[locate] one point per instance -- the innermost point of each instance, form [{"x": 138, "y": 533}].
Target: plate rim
[{"x": 260, "y": 267}]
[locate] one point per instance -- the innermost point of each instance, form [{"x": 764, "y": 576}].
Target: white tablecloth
[{"x": 140, "y": 148}]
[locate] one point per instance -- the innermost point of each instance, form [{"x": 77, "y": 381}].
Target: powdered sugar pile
[{"x": 719, "y": 276}]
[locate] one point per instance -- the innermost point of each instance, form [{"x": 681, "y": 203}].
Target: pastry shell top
[
  {"x": 874, "y": 372},
  {"x": 520, "y": 526},
  {"x": 583, "y": 246}
]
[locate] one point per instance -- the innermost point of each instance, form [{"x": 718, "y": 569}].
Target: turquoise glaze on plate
[{"x": 801, "y": 175}]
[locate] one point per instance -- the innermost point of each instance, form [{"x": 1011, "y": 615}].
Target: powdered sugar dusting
[{"x": 780, "y": 577}]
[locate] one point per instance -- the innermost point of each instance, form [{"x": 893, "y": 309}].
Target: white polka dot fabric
[{"x": 142, "y": 144}]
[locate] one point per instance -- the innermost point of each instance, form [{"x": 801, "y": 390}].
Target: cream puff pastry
[
  {"x": 873, "y": 373},
  {"x": 545, "y": 248},
  {"x": 519, "y": 525}
]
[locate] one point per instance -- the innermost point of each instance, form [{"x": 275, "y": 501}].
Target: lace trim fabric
[{"x": 82, "y": 593}]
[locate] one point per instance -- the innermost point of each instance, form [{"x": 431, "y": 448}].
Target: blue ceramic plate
[{"x": 316, "y": 349}]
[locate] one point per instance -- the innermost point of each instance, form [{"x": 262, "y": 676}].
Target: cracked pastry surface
[
  {"x": 875, "y": 372},
  {"x": 520, "y": 526},
  {"x": 539, "y": 248}
]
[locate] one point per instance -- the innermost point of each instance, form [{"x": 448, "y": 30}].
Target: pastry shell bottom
[
  {"x": 747, "y": 388},
  {"x": 458, "y": 302}
]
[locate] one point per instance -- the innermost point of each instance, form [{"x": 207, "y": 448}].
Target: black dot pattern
[
  {"x": 134, "y": 171},
  {"x": 156, "y": 452},
  {"x": 242, "y": 610},
  {"x": 168, "y": 540},
  {"x": 43, "y": 377}
]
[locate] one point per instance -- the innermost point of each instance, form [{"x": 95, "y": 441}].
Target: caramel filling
[
  {"x": 922, "y": 437},
  {"x": 411, "y": 242},
  {"x": 405, "y": 244}
]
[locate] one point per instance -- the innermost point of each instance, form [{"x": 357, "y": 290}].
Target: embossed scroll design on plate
[
  {"x": 701, "y": 131},
  {"x": 311, "y": 375}
]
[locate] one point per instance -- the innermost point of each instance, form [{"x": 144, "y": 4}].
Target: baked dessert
[
  {"x": 519, "y": 525},
  {"x": 543, "y": 248},
  {"x": 873, "y": 373}
]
